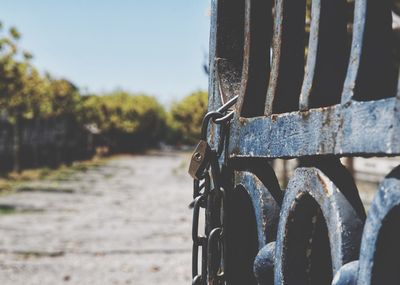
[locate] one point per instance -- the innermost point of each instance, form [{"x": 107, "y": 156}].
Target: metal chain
[{"x": 209, "y": 194}]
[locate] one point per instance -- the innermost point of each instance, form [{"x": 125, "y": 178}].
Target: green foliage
[
  {"x": 125, "y": 119},
  {"x": 186, "y": 117},
  {"x": 15, "y": 34},
  {"x": 64, "y": 97},
  {"x": 126, "y": 122},
  {"x": 24, "y": 92}
]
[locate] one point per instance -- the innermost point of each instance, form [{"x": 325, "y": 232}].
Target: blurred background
[
  {"x": 100, "y": 104},
  {"x": 79, "y": 75}
]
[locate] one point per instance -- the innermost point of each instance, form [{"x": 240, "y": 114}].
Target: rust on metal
[{"x": 316, "y": 80}]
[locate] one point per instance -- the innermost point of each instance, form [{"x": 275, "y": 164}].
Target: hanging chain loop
[{"x": 209, "y": 194}]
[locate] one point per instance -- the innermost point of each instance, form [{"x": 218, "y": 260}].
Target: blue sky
[{"x": 156, "y": 47}]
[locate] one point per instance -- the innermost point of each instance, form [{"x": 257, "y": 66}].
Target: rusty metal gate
[{"x": 312, "y": 80}]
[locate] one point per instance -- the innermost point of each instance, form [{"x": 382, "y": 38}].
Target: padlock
[{"x": 200, "y": 160}]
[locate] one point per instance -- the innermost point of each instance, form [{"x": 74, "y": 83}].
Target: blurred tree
[
  {"x": 64, "y": 97},
  {"x": 129, "y": 122},
  {"x": 17, "y": 85},
  {"x": 25, "y": 94},
  {"x": 186, "y": 117}
]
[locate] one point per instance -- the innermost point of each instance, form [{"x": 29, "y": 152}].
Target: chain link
[{"x": 208, "y": 194}]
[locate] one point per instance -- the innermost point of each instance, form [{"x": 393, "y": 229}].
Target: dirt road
[{"x": 125, "y": 222}]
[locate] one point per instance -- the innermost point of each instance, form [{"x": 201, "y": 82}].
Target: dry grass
[{"x": 13, "y": 180}]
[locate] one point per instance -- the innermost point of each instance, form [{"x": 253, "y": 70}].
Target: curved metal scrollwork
[
  {"x": 380, "y": 241},
  {"x": 380, "y": 244},
  {"x": 254, "y": 206},
  {"x": 316, "y": 80},
  {"x": 319, "y": 230}
]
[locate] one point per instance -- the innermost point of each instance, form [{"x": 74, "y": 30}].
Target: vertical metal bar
[
  {"x": 287, "y": 70},
  {"x": 246, "y": 55},
  {"x": 276, "y": 56},
  {"x": 360, "y": 11},
  {"x": 256, "y": 57},
  {"x": 312, "y": 56},
  {"x": 214, "y": 100}
]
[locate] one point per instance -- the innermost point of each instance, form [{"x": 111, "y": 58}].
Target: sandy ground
[{"x": 126, "y": 222}]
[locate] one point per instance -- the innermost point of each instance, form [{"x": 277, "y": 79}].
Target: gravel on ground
[{"x": 125, "y": 222}]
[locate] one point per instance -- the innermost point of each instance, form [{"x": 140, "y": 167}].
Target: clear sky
[{"x": 157, "y": 47}]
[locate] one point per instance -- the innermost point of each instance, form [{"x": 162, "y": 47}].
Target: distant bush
[
  {"x": 55, "y": 113},
  {"x": 126, "y": 121},
  {"x": 185, "y": 118}
]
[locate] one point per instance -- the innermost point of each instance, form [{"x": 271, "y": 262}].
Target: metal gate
[{"x": 312, "y": 80}]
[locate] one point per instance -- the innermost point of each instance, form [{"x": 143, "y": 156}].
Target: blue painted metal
[
  {"x": 307, "y": 95},
  {"x": 380, "y": 243},
  {"x": 347, "y": 275},
  {"x": 264, "y": 264},
  {"x": 314, "y": 209},
  {"x": 266, "y": 209}
]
